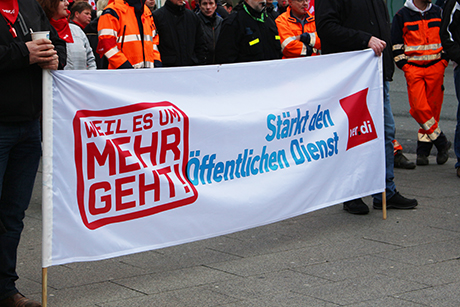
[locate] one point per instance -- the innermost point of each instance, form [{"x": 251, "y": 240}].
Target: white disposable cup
[{"x": 40, "y": 34}]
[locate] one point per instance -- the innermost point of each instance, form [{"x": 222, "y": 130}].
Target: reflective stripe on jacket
[
  {"x": 415, "y": 37},
  {"x": 120, "y": 40},
  {"x": 289, "y": 28}
]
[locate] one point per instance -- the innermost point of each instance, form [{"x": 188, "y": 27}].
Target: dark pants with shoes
[{"x": 20, "y": 152}]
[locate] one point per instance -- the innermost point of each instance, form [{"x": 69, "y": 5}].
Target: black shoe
[
  {"x": 356, "y": 206},
  {"x": 402, "y": 162},
  {"x": 443, "y": 154},
  {"x": 19, "y": 300},
  {"x": 397, "y": 201},
  {"x": 458, "y": 171},
  {"x": 422, "y": 160}
]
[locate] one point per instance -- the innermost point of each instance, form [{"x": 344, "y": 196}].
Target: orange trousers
[{"x": 426, "y": 94}]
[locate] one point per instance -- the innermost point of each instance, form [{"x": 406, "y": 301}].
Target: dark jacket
[
  {"x": 450, "y": 30},
  {"x": 221, "y": 11},
  {"x": 245, "y": 39},
  {"x": 181, "y": 36},
  {"x": 211, "y": 30},
  {"x": 20, "y": 82},
  {"x": 270, "y": 9},
  {"x": 91, "y": 34},
  {"x": 347, "y": 25}
]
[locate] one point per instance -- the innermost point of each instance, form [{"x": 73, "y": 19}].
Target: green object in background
[{"x": 394, "y": 6}]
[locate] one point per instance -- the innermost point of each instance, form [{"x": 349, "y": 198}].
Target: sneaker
[
  {"x": 397, "y": 201},
  {"x": 443, "y": 154},
  {"x": 422, "y": 160},
  {"x": 356, "y": 206},
  {"x": 402, "y": 162}
]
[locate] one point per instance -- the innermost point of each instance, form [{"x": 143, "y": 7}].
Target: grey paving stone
[
  {"x": 190, "y": 297},
  {"x": 357, "y": 290},
  {"x": 407, "y": 234},
  {"x": 425, "y": 253},
  {"x": 439, "y": 296},
  {"x": 89, "y": 295},
  {"x": 177, "y": 257},
  {"x": 436, "y": 274},
  {"x": 288, "y": 300},
  {"x": 352, "y": 268},
  {"x": 81, "y": 273},
  {"x": 387, "y": 301},
  {"x": 174, "y": 280},
  {"x": 274, "y": 284}
]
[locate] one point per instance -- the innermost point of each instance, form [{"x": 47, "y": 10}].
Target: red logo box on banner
[{"x": 131, "y": 162}]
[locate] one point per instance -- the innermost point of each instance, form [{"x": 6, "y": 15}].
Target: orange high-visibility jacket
[
  {"x": 120, "y": 40},
  {"x": 415, "y": 37},
  {"x": 289, "y": 27}
]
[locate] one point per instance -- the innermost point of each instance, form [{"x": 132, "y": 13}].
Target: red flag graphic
[{"x": 360, "y": 124}]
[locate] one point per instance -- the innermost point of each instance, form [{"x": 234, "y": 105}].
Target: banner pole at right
[{"x": 384, "y": 205}]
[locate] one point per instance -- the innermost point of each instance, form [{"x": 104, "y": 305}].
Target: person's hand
[
  {"x": 377, "y": 45},
  {"x": 53, "y": 64},
  {"x": 41, "y": 51}
]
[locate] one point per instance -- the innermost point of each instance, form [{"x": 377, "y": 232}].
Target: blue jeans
[
  {"x": 457, "y": 128},
  {"x": 389, "y": 127},
  {"x": 20, "y": 151}
]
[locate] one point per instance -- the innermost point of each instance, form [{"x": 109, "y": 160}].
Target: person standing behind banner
[
  {"x": 211, "y": 24},
  {"x": 21, "y": 63},
  {"x": 152, "y": 5},
  {"x": 297, "y": 31},
  {"x": 418, "y": 52},
  {"x": 271, "y": 11},
  {"x": 450, "y": 39},
  {"x": 79, "y": 52},
  {"x": 347, "y": 25},
  {"x": 80, "y": 14},
  {"x": 248, "y": 34},
  {"x": 181, "y": 36},
  {"x": 128, "y": 36},
  {"x": 91, "y": 34}
]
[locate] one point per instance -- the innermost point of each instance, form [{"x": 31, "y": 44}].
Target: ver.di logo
[{"x": 360, "y": 123}]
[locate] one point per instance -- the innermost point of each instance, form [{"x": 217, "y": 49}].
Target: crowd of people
[{"x": 124, "y": 34}]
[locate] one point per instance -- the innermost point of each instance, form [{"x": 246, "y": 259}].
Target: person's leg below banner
[
  {"x": 20, "y": 151},
  {"x": 394, "y": 200},
  {"x": 434, "y": 78},
  {"x": 457, "y": 128}
]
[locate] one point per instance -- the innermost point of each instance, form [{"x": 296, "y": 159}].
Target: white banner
[{"x": 144, "y": 159}]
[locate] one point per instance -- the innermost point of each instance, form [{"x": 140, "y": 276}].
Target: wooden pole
[
  {"x": 47, "y": 194},
  {"x": 384, "y": 205},
  {"x": 44, "y": 287}
]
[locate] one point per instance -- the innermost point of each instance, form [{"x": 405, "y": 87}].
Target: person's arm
[
  {"x": 108, "y": 30},
  {"x": 90, "y": 60},
  {"x": 397, "y": 40},
  {"x": 15, "y": 56},
  {"x": 293, "y": 45},
  {"x": 450, "y": 24}
]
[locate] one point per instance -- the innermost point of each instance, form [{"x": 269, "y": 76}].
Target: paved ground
[{"x": 325, "y": 258}]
